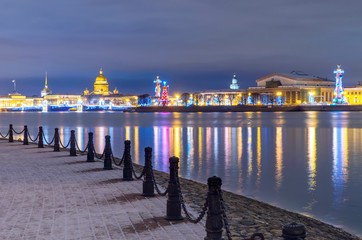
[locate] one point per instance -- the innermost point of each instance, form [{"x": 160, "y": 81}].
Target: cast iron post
[
  {"x": 25, "y": 141},
  {"x": 90, "y": 153},
  {"x": 173, "y": 202},
  {"x": 11, "y": 136},
  {"x": 214, "y": 222},
  {"x": 107, "y": 154},
  {"x": 56, "y": 140},
  {"x": 73, "y": 151},
  {"x": 127, "y": 169},
  {"x": 40, "y": 138},
  {"x": 294, "y": 231},
  {"x": 148, "y": 189}
]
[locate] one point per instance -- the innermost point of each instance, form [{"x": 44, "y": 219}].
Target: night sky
[{"x": 194, "y": 45}]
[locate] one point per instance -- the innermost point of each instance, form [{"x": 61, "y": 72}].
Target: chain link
[
  {"x": 96, "y": 154},
  {"x": 48, "y": 143},
  {"x": 114, "y": 161},
  {"x": 224, "y": 217},
  {"x": 188, "y": 216},
  {"x": 134, "y": 173},
  {"x": 156, "y": 186},
  {"x": 61, "y": 144},
  {"x": 33, "y": 140},
  {"x": 5, "y": 135},
  {"x": 18, "y": 132},
  {"x": 76, "y": 144}
]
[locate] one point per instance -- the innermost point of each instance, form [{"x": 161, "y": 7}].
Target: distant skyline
[{"x": 194, "y": 45}]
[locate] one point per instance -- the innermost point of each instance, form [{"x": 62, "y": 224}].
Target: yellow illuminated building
[
  {"x": 101, "y": 84},
  {"x": 353, "y": 95},
  {"x": 15, "y": 100},
  {"x": 62, "y": 99}
]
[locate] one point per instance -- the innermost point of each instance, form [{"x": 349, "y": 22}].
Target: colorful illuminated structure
[
  {"x": 338, "y": 91},
  {"x": 158, "y": 88},
  {"x": 164, "y": 97}
]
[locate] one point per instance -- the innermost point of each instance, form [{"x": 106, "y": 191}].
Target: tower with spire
[
  {"x": 46, "y": 90},
  {"x": 234, "y": 83}
]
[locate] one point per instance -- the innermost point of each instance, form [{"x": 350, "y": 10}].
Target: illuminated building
[
  {"x": 338, "y": 91},
  {"x": 218, "y": 97},
  {"x": 234, "y": 83},
  {"x": 101, "y": 85},
  {"x": 62, "y": 99},
  {"x": 46, "y": 90},
  {"x": 15, "y": 100},
  {"x": 291, "y": 88},
  {"x": 353, "y": 95}
]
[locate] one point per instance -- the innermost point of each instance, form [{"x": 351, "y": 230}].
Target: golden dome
[{"x": 101, "y": 80}]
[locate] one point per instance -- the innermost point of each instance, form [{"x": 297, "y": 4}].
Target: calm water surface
[{"x": 309, "y": 162}]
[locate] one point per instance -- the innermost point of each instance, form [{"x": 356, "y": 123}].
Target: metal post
[
  {"x": 127, "y": 169},
  {"x": 173, "y": 202},
  {"x": 25, "y": 141},
  {"x": 90, "y": 153},
  {"x": 294, "y": 231},
  {"x": 107, "y": 154},
  {"x": 56, "y": 140},
  {"x": 214, "y": 222},
  {"x": 72, "y": 151},
  {"x": 40, "y": 138},
  {"x": 11, "y": 136},
  {"x": 148, "y": 189}
]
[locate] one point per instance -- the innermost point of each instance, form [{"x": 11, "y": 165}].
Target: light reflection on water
[{"x": 308, "y": 162}]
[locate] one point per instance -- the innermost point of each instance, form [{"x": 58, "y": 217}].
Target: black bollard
[
  {"x": 90, "y": 153},
  {"x": 40, "y": 138},
  {"x": 294, "y": 231},
  {"x": 72, "y": 151},
  {"x": 127, "y": 161},
  {"x": 25, "y": 141},
  {"x": 214, "y": 222},
  {"x": 56, "y": 140},
  {"x": 148, "y": 190},
  {"x": 11, "y": 136},
  {"x": 107, "y": 154},
  {"x": 173, "y": 201}
]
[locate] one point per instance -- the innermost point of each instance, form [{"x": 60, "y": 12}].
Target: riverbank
[
  {"x": 63, "y": 188},
  {"x": 248, "y": 216},
  {"x": 251, "y": 108}
]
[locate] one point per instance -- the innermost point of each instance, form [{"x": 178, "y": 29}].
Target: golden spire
[
  {"x": 101, "y": 71},
  {"x": 46, "y": 79}
]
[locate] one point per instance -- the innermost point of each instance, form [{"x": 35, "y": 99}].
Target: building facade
[{"x": 293, "y": 88}]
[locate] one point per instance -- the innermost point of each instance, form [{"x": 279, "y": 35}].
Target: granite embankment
[
  {"x": 248, "y": 216},
  {"x": 251, "y": 108}
]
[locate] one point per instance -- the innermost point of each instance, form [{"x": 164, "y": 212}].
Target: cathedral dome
[{"x": 101, "y": 79}]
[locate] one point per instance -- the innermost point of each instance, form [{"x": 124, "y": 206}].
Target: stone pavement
[{"x": 50, "y": 195}]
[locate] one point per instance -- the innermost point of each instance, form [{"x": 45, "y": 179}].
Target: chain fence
[
  {"x": 46, "y": 141},
  {"x": 5, "y": 135},
  {"x": 31, "y": 139},
  {"x": 81, "y": 151},
  {"x": 18, "y": 132}
]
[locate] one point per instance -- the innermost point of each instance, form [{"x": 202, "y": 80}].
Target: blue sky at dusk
[{"x": 194, "y": 45}]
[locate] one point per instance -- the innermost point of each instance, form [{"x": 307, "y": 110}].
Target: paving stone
[{"x": 50, "y": 195}]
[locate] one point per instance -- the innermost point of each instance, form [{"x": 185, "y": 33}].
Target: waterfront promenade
[{"x": 50, "y": 195}]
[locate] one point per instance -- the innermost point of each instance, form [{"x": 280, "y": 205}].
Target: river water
[{"x": 308, "y": 162}]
